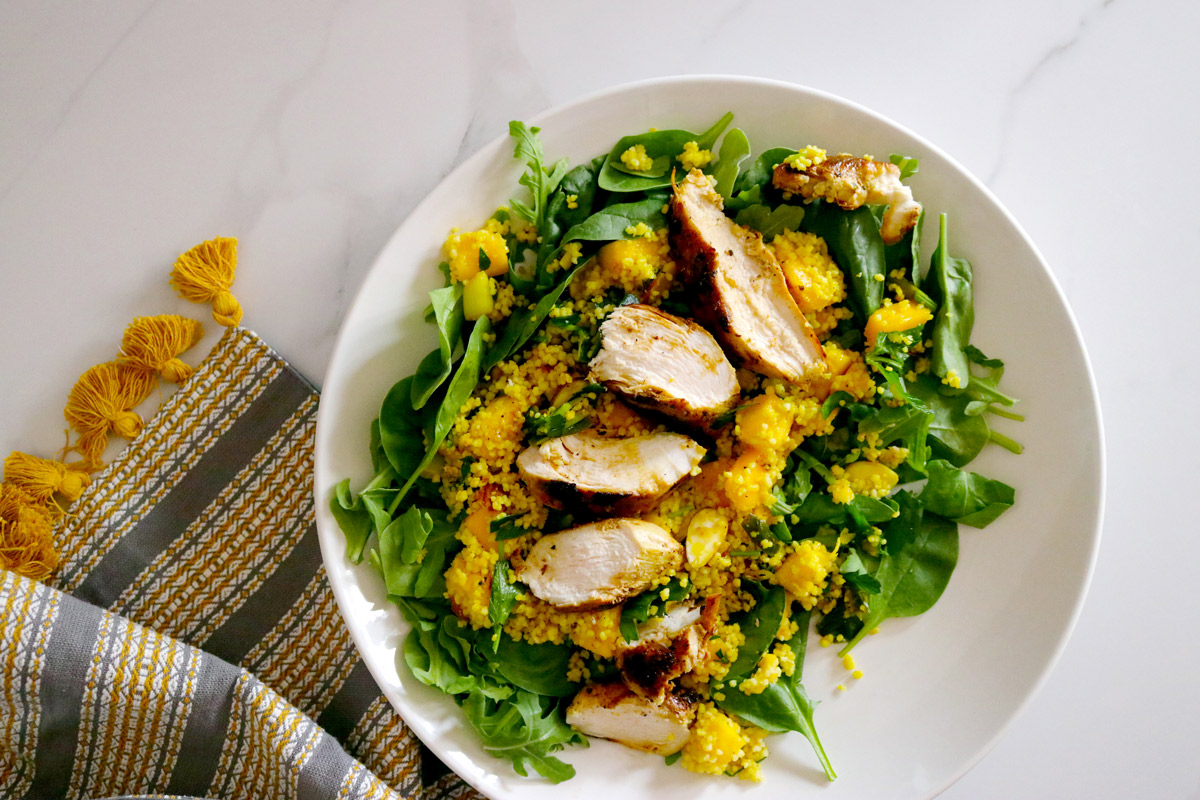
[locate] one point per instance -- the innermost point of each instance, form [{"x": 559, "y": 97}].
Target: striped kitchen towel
[{"x": 189, "y": 643}]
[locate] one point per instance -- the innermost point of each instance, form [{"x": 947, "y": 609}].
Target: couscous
[{"x": 682, "y": 411}]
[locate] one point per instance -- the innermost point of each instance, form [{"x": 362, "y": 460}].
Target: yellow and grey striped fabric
[{"x": 189, "y": 644}]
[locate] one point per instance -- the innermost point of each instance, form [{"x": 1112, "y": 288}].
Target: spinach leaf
[
  {"x": 906, "y": 255},
  {"x": 819, "y": 509},
  {"x": 663, "y": 147},
  {"x": 793, "y": 489},
  {"x": 430, "y": 661},
  {"x": 754, "y": 185},
  {"x": 579, "y": 183},
  {"x": 950, "y": 287},
  {"x": 400, "y": 429},
  {"x": 734, "y": 150},
  {"x": 504, "y": 596},
  {"x": 907, "y": 424},
  {"x": 922, "y": 551},
  {"x": 434, "y": 369},
  {"x": 908, "y": 165},
  {"x": 466, "y": 377},
  {"x": 649, "y": 604},
  {"x": 783, "y": 705},
  {"x": 609, "y": 224},
  {"x": 759, "y": 625},
  {"x": 771, "y": 222},
  {"x": 537, "y": 668},
  {"x": 965, "y": 497},
  {"x": 352, "y": 518},
  {"x": 855, "y": 245},
  {"x": 522, "y": 325},
  {"x": 413, "y": 551},
  {"x": 954, "y": 434},
  {"x": 525, "y": 728},
  {"x": 856, "y": 574}
]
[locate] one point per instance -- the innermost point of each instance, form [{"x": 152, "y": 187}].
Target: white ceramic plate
[{"x": 940, "y": 689}]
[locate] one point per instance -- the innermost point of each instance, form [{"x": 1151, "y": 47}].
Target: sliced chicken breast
[
  {"x": 606, "y": 475},
  {"x": 743, "y": 296},
  {"x": 599, "y": 564},
  {"x": 852, "y": 181},
  {"x": 665, "y": 363},
  {"x": 667, "y": 647},
  {"x": 611, "y": 711}
]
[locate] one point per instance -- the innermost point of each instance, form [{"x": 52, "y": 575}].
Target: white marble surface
[{"x": 131, "y": 130}]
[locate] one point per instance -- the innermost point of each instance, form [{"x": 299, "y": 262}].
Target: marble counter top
[{"x": 309, "y": 130}]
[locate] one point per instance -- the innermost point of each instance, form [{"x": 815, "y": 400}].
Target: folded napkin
[{"x": 189, "y": 643}]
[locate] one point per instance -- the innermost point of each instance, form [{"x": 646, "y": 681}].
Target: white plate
[{"x": 940, "y": 689}]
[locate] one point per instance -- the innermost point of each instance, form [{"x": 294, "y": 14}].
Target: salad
[{"x": 685, "y": 406}]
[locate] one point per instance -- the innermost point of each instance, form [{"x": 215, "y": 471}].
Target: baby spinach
[
  {"x": 793, "y": 489},
  {"x": 771, "y": 222},
  {"x": 523, "y": 324},
  {"x": 434, "y": 369},
  {"x": 751, "y": 187},
  {"x": 922, "y": 550},
  {"x": 759, "y": 625},
  {"x": 782, "y": 706},
  {"x": 579, "y": 183},
  {"x": 610, "y": 224},
  {"x": 950, "y": 287},
  {"x": 965, "y": 497},
  {"x": 954, "y": 434},
  {"x": 908, "y": 165},
  {"x": 538, "y": 668},
  {"x": 649, "y": 604},
  {"x": 413, "y": 551},
  {"x": 906, "y": 424},
  {"x": 855, "y": 246},
  {"x": 857, "y": 575},
  {"x": 466, "y": 377},
  {"x": 819, "y": 509},
  {"x": 735, "y": 149},
  {"x": 661, "y": 146},
  {"x": 352, "y": 518}
]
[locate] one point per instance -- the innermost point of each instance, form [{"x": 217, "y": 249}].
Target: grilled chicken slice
[
  {"x": 599, "y": 564},
  {"x": 611, "y": 711},
  {"x": 665, "y": 363},
  {"x": 612, "y": 476},
  {"x": 851, "y": 181},
  {"x": 743, "y": 296},
  {"x": 667, "y": 647}
]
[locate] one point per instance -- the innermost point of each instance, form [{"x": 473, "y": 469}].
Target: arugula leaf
[
  {"x": 889, "y": 358},
  {"x": 662, "y": 147},
  {"x": 352, "y": 518},
  {"x": 537, "y": 178},
  {"x": 950, "y": 287},
  {"x": 965, "y": 497},
  {"x": 922, "y": 551},
  {"x": 525, "y": 728},
  {"x": 734, "y": 150},
  {"x": 503, "y": 600},
  {"x": 771, "y": 222}
]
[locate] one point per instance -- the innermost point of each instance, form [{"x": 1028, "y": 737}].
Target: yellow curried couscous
[{"x": 788, "y": 512}]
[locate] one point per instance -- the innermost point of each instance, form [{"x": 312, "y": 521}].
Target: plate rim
[{"x": 332, "y": 557}]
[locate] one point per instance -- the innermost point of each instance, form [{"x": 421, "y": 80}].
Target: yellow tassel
[
  {"x": 41, "y": 478},
  {"x": 204, "y": 275},
  {"x": 26, "y": 545},
  {"x": 102, "y": 401},
  {"x": 154, "y": 343}
]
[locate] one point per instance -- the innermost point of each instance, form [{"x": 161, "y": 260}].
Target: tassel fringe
[
  {"x": 102, "y": 402},
  {"x": 154, "y": 344},
  {"x": 204, "y": 274},
  {"x": 26, "y": 545},
  {"x": 42, "y": 478}
]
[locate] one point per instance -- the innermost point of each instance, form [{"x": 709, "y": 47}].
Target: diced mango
[
  {"x": 462, "y": 253},
  {"x": 870, "y": 478},
  {"x": 901, "y": 316},
  {"x": 614, "y": 255},
  {"x": 765, "y": 422}
]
